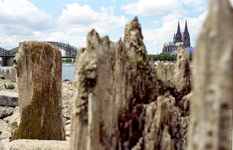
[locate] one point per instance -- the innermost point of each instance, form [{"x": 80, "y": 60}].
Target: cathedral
[{"x": 178, "y": 38}]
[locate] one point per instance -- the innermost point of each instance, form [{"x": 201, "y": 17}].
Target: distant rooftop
[
  {"x": 173, "y": 44},
  {"x": 170, "y": 44}
]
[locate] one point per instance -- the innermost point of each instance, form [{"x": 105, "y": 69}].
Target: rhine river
[{"x": 67, "y": 71}]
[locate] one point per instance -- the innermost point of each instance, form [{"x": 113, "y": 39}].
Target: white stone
[{"x": 37, "y": 145}]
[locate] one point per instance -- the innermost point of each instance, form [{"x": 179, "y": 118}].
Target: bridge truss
[
  {"x": 2, "y": 51},
  {"x": 70, "y": 50}
]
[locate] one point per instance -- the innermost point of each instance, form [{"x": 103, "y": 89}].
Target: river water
[{"x": 67, "y": 71}]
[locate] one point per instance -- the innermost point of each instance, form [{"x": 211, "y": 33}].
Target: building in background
[{"x": 178, "y": 38}]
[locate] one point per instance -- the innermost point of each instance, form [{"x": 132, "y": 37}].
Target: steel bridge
[{"x": 70, "y": 51}]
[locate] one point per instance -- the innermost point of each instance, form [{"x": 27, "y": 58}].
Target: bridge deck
[{"x": 71, "y": 51}]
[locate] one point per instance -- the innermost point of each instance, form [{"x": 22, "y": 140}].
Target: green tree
[
  {"x": 66, "y": 60},
  {"x": 163, "y": 57},
  {"x": 190, "y": 56}
]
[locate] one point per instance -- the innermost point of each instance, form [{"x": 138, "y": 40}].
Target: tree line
[
  {"x": 166, "y": 57},
  {"x": 160, "y": 57},
  {"x": 67, "y": 60}
]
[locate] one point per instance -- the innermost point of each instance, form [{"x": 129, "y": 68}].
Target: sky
[{"x": 69, "y": 21}]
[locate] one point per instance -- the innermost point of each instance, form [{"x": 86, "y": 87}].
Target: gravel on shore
[
  {"x": 67, "y": 94},
  {"x": 2, "y": 87},
  {"x": 67, "y": 89}
]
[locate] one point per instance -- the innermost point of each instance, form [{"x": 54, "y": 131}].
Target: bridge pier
[{"x": 7, "y": 61}]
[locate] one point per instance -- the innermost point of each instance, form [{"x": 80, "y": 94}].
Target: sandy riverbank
[
  {"x": 67, "y": 89},
  {"x": 6, "y": 123},
  {"x": 67, "y": 93}
]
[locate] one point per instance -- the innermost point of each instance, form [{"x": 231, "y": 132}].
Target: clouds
[
  {"x": 159, "y": 36},
  {"x": 176, "y": 14},
  {"x": 75, "y": 40},
  {"x": 70, "y": 22},
  {"x": 167, "y": 13},
  {"x": 77, "y": 18},
  {"x": 22, "y": 13},
  {"x": 149, "y": 7},
  {"x": 152, "y": 7},
  {"x": 21, "y": 20},
  {"x": 193, "y": 2}
]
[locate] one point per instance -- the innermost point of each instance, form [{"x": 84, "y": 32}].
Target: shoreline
[
  {"x": 65, "y": 85},
  {"x": 6, "y": 122},
  {"x": 67, "y": 71}
]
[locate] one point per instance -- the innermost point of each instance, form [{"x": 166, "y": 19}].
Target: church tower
[
  {"x": 186, "y": 36},
  {"x": 178, "y": 36}
]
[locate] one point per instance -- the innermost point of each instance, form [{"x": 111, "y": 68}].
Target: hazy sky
[{"x": 69, "y": 21}]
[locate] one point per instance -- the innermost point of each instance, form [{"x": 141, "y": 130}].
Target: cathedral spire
[
  {"x": 186, "y": 35},
  {"x": 178, "y": 37},
  {"x": 186, "y": 27},
  {"x": 178, "y": 28}
]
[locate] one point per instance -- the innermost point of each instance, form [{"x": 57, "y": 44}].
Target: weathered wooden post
[
  {"x": 3, "y": 74},
  {"x": 8, "y": 74},
  {"x": 211, "y": 105},
  {"x": 13, "y": 75},
  {"x": 39, "y": 69},
  {"x": 182, "y": 70}
]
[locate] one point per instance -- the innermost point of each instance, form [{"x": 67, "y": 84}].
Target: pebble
[{"x": 10, "y": 121}]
